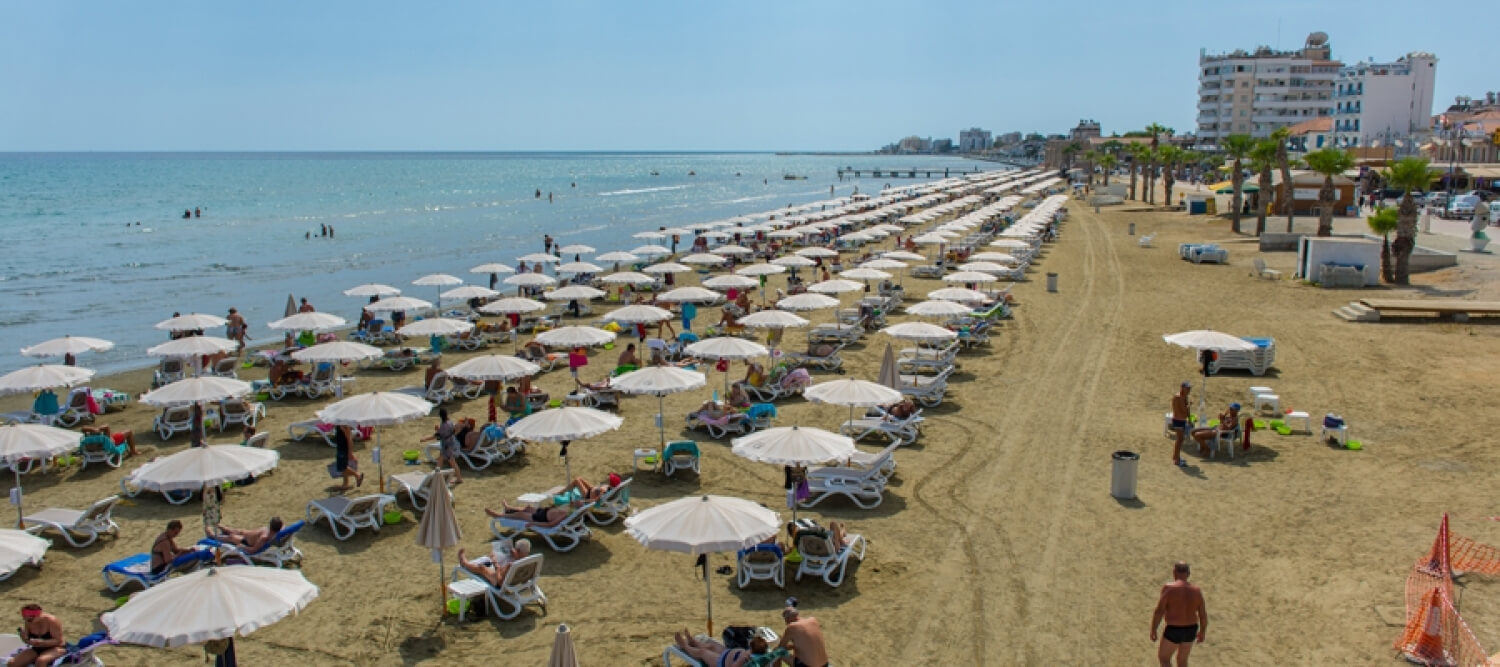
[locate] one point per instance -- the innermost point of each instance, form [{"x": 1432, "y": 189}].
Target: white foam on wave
[{"x": 637, "y": 191}]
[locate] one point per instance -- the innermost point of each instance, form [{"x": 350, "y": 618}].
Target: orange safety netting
[{"x": 1435, "y": 633}]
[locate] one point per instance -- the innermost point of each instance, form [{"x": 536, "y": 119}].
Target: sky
[{"x": 645, "y": 75}]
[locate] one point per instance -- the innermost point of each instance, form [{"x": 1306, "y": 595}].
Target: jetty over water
[{"x": 908, "y": 172}]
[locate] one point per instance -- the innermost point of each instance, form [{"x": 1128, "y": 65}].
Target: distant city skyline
[{"x": 474, "y": 76}]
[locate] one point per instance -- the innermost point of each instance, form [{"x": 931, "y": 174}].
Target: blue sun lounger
[{"x": 137, "y": 568}]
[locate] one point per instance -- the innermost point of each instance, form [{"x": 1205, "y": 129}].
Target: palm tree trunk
[
  {"x": 1238, "y": 180},
  {"x": 1260, "y": 210},
  {"x": 1325, "y": 212},
  {"x": 1406, "y": 239},
  {"x": 1386, "y": 273},
  {"x": 1133, "y": 169},
  {"x": 1168, "y": 181},
  {"x": 1284, "y": 191}
]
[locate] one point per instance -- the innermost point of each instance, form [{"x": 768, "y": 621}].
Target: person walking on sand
[
  {"x": 1181, "y": 606},
  {"x": 236, "y": 329},
  {"x": 1180, "y": 421},
  {"x": 805, "y": 636}
]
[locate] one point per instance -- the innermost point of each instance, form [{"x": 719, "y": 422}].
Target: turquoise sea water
[{"x": 75, "y": 262}]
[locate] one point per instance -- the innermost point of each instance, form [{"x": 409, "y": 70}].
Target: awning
[{"x": 1227, "y": 187}]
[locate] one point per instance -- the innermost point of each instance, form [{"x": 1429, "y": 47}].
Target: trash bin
[
  {"x": 1122, "y": 476},
  {"x": 1051, "y": 282},
  {"x": 1132, "y": 229}
]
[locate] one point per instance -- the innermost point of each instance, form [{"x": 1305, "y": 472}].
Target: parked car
[
  {"x": 1436, "y": 199},
  {"x": 1461, "y": 208}
]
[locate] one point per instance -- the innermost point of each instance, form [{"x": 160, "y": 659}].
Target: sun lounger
[
  {"x": 276, "y": 552},
  {"x": 492, "y": 447},
  {"x": 563, "y": 537},
  {"x": 225, "y": 368},
  {"x": 681, "y": 455},
  {"x": 762, "y": 562},
  {"x": 171, "y": 370},
  {"x": 928, "y": 390},
  {"x": 822, "y": 558},
  {"x": 76, "y": 408},
  {"x": 899, "y": 431},
  {"x": 518, "y": 589},
  {"x": 835, "y": 333},
  {"x": 863, "y": 487},
  {"x": 927, "y": 271},
  {"x": 100, "y": 448},
  {"x": 718, "y": 427},
  {"x": 883, "y": 464},
  {"x": 596, "y": 398},
  {"x": 466, "y": 388},
  {"x": 129, "y": 488},
  {"x": 346, "y": 515},
  {"x": 299, "y": 430},
  {"x": 173, "y": 420},
  {"x": 827, "y": 362},
  {"x": 137, "y": 569},
  {"x": 418, "y": 485},
  {"x": 240, "y": 412},
  {"x": 400, "y": 359},
  {"x": 615, "y": 503},
  {"x": 673, "y": 652},
  {"x": 919, "y": 359},
  {"x": 789, "y": 384},
  {"x": 80, "y": 529}
]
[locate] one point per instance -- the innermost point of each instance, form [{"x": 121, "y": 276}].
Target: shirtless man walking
[
  {"x": 1180, "y": 420},
  {"x": 806, "y": 639},
  {"x": 1181, "y": 605}
]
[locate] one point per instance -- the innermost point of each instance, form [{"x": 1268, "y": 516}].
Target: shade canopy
[
  {"x": 617, "y": 256},
  {"x": 191, "y": 322},
  {"x": 66, "y": 345},
  {"x": 530, "y": 280},
  {"x": 1009, "y": 243},
  {"x": 639, "y": 313},
  {"x": 658, "y": 380},
  {"x": 372, "y": 289},
  {"x": 540, "y": 257},
  {"x": 576, "y": 249},
  {"x": 969, "y": 277},
  {"x": 670, "y": 267},
  {"x": 395, "y": 303},
  {"x": 807, "y": 301},
  {"x": 903, "y": 256},
  {"x": 703, "y": 524},
  {"x": 938, "y": 308},
  {"x": 492, "y": 267},
  {"x": 513, "y": 305},
  {"x": 195, "y": 467},
  {"x": 338, "y": 351},
  {"x": 438, "y": 280},
  {"x": 852, "y": 392},
  {"x": 575, "y": 337},
  {"x": 1207, "y": 339},
  {"x": 44, "y": 376},
  {"x": 579, "y": 267},
  {"x": 18, "y": 547},
  {"x": 313, "y": 321},
  {"x": 651, "y": 250},
  {"x": 726, "y": 347},
  {"x": 216, "y": 603},
  {"x": 498, "y": 367},
  {"x": 689, "y": 295},
  {"x": 469, "y": 292},
  {"x": 794, "y": 261},
  {"x": 835, "y": 286},
  {"x": 193, "y": 346},
  {"x": 864, "y": 273},
  {"x": 732, "y": 250},
  {"x": 627, "y": 278},
  {"x": 773, "y": 319},
  {"x": 958, "y": 294},
  {"x": 983, "y": 266},
  {"x": 565, "y": 423},
  {"x": 704, "y": 258},
  {"x": 817, "y": 252},
  {"x": 380, "y": 408},
  {"x": 436, "y": 326},
  {"x": 921, "y": 332},
  {"x": 793, "y": 446},
  {"x": 201, "y": 389},
  {"x": 34, "y": 441},
  {"x": 760, "y": 270},
  {"x": 990, "y": 256},
  {"x": 731, "y": 282}
]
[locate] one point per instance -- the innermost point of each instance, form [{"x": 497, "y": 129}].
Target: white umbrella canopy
[
  {"x": 576, "y": 249},
  {"x": 807, "y": 301},
  {"x": 494, "y": 367},
  {"x": 1009, "y": 243},
  {"x": 438, "y": 280},
  {"x": 982, "y": 266},
  {"x": 436, "y": 326},
  {"x": 958, "y": 294},
  {"x": 732, "y": 250},
  {"x": 395, "y": 303},
  {"x": 565, "y": 423},
  {"x": 372, "y": 289},
  {"x": 18, "y": 547},
  {"x": 216, "y": 603},
  {"x": 43, "y": 376},
  {"x": 726, "y": 347},
  {"x": 969, "y": 277},
  {"x": 760, "y": 270},
  {"x": 689, "y": 295},
  {"x": 793, "y": 446},
  {"x": 575, "y": 337},
  {"x": 938, "y": 308},
  {"x": 380, "y": 408},
  {"x": 703, "y": 524},
  {"x": 794, "y": 261},
  {"x": 863, "y": 273},
  {"x": 627, "y": 278},
  {"x": 883, "y": 263},
  {"x": 784, "y": 234},
  {"x": 513, "y": 305},
  {"x": 66, "y": 345},
  {"x": 921, "y": 332},
  {"x": 638, "y": 314},
  {"x": 995, "y": 257},
  {"x": 579, "y": 267},
  {"x": 617, "y": 256},
  {"x": 196, "y": 467},
  {"x": 191, "y": 322},
  {"x": 539, "y": 257},
  {"x": 469, "y": 292},
  {"x": 659, "y": 381},
  {"x": 337, "y": 352},
  {"x": 1207, "y": 339},
  {"x": 930, "y": 238},
  {"x": 670, "y": 267},
  {"x": 903, "y": 255},
  {"x": 731, "y": 282},
  {"x": 650, "y": 250},
  {"x": 201, "y": 389},
  {"x": 852, "y": 392},
  {"x": 773, "y": 319},
  {"x": 193, "y": 346},
  {"x": 313, "y": 321},
  {"x": 563, "y": 654},
  {"x": 835, "y": 286},
  {"x": 492, "y": 267},
  {"x": 817, "y": 252},
  {"x": 530, "y": 280},
  {"x": 575, "y": 293},
  {"x": 704, "y": 258},
  {"x": 32, "y": 441},
  {"x": 649, "y": 235}
]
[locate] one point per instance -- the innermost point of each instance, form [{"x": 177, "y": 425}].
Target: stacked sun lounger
[{"x": 1257, "y": 361}]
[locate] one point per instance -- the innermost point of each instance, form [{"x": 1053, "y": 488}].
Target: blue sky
[{"x": 468, "y": 75}]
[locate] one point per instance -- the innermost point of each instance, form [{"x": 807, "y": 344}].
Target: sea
[{"x": 95, "y": 244}]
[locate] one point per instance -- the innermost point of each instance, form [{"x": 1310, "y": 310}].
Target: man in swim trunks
[
  {"x": 252, "y": 539},
  {"x": 495, "y": 571},
  {"x": 543, "y": 517},
  {"x": 1180, "y": 420},
  {"x": 806, "y": 639},
  {"x": 236, "y": 328},
  {"x": 1181, "y": 605}
]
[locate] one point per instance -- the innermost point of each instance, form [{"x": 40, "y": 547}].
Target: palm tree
[
  {"x": 1108, "y": 162},
  {"x": 1137, "y": 154},
  {"x": 1329, "y": 162},
  {"x": 1069, "y": 152},
  {"x": 1262, "y": 160},
  {"x": 1237, "y": 147},
  {"x": 1090, "y": 159},
  {"x": 1281, "y": 136},
  {"x": 1383, "y": 223},
  {"x": 1408, "y": 174},
  {"x": 1170, "y": 157}
]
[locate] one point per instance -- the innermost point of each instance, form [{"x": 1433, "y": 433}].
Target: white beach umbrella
[
  {"x": 731, "y": 249},
  {"x": 372, "y": 289},
  {"x": 32, "y": 441},
  {"x": 436, "y": 326},
  {"x": 760, "y": 270},
  {"x": 835, "y": 286},
  {"x": 575, "y": 337},
  {"x": 728, "y": 348},
  {"x": 650, "y": 250},
  {"x": 492, "y": 267},
  {"x": 794, "y": 446},
  {"x": 514, "y": 305},
  {"x": 817, "y": 252},
  {"x": 668, "y": 267},
  {"x": 215, "y": 603},
  {"x": 375, "y": 409},
  {"x": 395, "y": 303},
  {"x": 995, "y": 257},
  {"x": 932, "y": 238},
  {"x": 579, "y": 267},
  {"x": 66, "y": 345},
  {"x": 649, "y": 235},
  {"x": 773, "y": 319},
  {"x": 564, "y": 425},
  {"x": 903, "y": 255},
  {"x": 467, "y": 292},
  {"x": 863, "y": 273},
  {"x": 731, "y": 282},
  {"x": 702, "y": 525},
  {"x": 617, "y": 256},
  {"x": 193, "y": 346},
  {"x": 338, "y": 351},
  {"x": 540, "y": 257},
  {"x": 530, "y": 280},
  {"x": 958, "y": 294},
  {"x": 689, "y": 295},
  {"x": 678, "y": 231},
  {"x": 43, "y": 376},
  {"x": 784, "y": 234},
  {"x": 969, "y": 277},
  {"x": 17, "y": 548},
  {"x": 1204, "y": 340},
  {"x": 883, "y": 263},
  {"x": 938, "y": 308},
  {"x": 196, "y": 467},
  {"x": 438, "y": 280},
  {"x": 191, "y": 322},
  {"x": 659, "y": 381},
  {"x": 708, "y": 259},
  {"x": 576, "y": 249},
  {"x": 853, "y": 393},
  {"x": 575, "y": 293},
  {"x": 807, "y": 301},
  {"x": 627, "y": 278},
  {"x": 1009, "y": 243},
  {"x": 638, "y": 314},
  {"x": 983, "y": 267},
  {"x": 920, "y": 332},
  {"x": 313, "y": 321},
  {"x": 494, "y": 367},
  {"x": 202, "y": 389},
  {"x": 794, "y": 262}
]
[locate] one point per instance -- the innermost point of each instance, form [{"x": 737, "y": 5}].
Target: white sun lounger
[
  {"x": 821, "y": 558},
  {"x": 241, "y": 412},
  {"x": 615, "y": 503},
  {"x": 519, "y": 588},
  {"x": 899, "y": 431},
  {"x": 863, "y": 487},
  {"x": 418, "y": 485},
  {"x": 172, "y": 420},
  {"x": 563, "y": 537},
  {"x": 346, "y": 515},
  {"x": 763, "y": 562},
  {"x": 80, "y": 529}
]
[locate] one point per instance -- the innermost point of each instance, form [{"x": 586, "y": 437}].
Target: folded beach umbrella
[
  {"x": 215, "y": 603},
  {"x": 395, "y": 303},
  {"x": 807, "y": 301},
  {"x": 638, "y": 314},
  {"x": 689, "y": 295},
  {"x": 196, "y": 467},
  {"x": 20, "y": 442},
  {"x": 564, "y": 425},
  {"x": 563, "y": 654},
  {"x": 659, "y": 381},
  {"x": 438, "y": 530},
  {"x": 191, "y": 322},
  {"x": 670, "y": 267},
  {"x": 375, "y": 409},
  {"x": 627, "y": 278},
  {"x": 888, "y": 376},
  {"x": 436, "y": 326},
  {"x": 938, "y": 308},
  {"x": 575, "y": 293},
  {"x": 731, "y": 282},
  {"x": 494, "y": 367},
  {"x": 17, "y": 548},
  {"x": 66, "y": 345},
  {"x": 338, "y": 351},
  {"x": 575, "y": 337},
  {"x": 313, "y": 321},
  {"x": 43, "y": 376},
  {"x": 467, "y": 292},
  {"x": 702, "y": 525},
  {"x": 376, "y": 290},
  {"x": 193, "y": 346},
  {"x": 920, "y": 332}
]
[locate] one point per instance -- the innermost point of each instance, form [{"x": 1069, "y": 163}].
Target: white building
[
  {"x": 973, "y": 140},
  {"x": 1256, "y": 93},
  {"x": 1384, "y": 102}
]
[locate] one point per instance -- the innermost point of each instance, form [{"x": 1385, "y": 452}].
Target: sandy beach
[{"x": 997, "y": 542}]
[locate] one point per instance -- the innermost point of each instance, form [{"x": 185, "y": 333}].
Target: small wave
[
  {"x": 228, "y": 268},
  {"x": 637, "y": 191}
]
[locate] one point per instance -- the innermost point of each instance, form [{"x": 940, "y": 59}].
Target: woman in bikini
[{"x": 43, "y": 635}]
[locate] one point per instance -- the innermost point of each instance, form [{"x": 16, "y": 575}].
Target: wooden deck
[{"x": 1458, "y": 309}]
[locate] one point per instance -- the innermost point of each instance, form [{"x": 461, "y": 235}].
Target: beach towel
[
  {"x": 689, "y": 311},
  {"x": 92, "y": 404},
  {"x": 760, "y": 410},
  {"x": 45, "y": 403}
]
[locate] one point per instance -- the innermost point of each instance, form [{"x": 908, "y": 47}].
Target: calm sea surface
[{"x": 75, "y": 262}]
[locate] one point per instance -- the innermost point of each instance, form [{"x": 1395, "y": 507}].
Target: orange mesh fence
[{"x": 1437, "y": 635}]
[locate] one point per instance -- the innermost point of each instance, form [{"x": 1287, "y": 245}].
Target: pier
[{"x": 909, "y": 172}]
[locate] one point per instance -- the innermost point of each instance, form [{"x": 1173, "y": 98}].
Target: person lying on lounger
[
  {"x": 496, "y": 571},
  {"x": 540, "y": 517},
  {"x": 119, "y": 437},
  {"x": 712, "y": 411},
  {"x": 713, "y": 653},
  {"x": 533, "y": 351},
  {"x": 591, "y": 492},
  {"x": 738, "y": 398},
  {"x": 250, "y": 539},
  {"x": 902, "y": 410}
]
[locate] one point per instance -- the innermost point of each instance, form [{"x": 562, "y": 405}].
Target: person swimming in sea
[{"x": 538, "y": 193}]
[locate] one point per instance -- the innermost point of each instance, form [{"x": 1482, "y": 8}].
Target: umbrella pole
[
  {"x": 568, "y": 468},
  {"x": 20, "y": 513},
  {"x": 661, "y": 419},
  {"x": 442, "y": 585},
  {"x": 708, "y": 589},
  {"x": 379, "y": 463}
]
